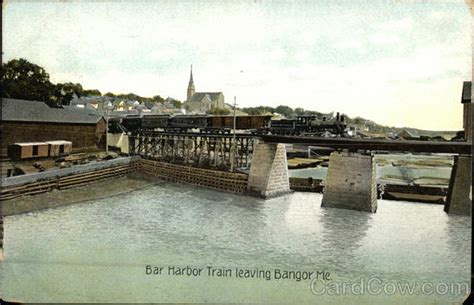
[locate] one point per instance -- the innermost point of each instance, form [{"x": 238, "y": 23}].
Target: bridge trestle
[{"x": 194, "y": 149}]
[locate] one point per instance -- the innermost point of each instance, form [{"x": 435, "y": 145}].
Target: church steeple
[{"x": 190, "y": 85}]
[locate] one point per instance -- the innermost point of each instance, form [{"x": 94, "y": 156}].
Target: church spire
[{"x": 190, "y": 85}]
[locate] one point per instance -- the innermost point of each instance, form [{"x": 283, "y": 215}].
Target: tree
[
  {"x": 258, "y": 110},
  {"x": 109, "y": 94},
  {"x": 299, "y": 111},
  {"x": 92, "y": 92},
  {"x": 177, "y": 104},
  {"x": 219, "y": 111},
  {"x": 24, "y": 80},
  {"x": 158, "y": 99},
  {"x": 285, "y": 110}
]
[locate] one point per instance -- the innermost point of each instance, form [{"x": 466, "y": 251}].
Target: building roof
[
  {"x": 466, "y": 92},
  {"x": 198, "y": 96},
  {"x": 34, "y": 111},
  {"x": 59, "y": 142},
  {"x": 30, "y": 143}
]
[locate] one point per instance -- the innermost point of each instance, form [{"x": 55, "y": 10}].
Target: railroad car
[
  {"x": 132, "y": 122},
  {"x": 59, "y": 148},
  {"x": 242, "y": 122},
  {"x": 187, "y": 122},
  {"x": 30, "y": 150},
  {"x": 153, "y": 121}
]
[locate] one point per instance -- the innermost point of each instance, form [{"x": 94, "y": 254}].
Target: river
[
  {"x": 386, "y": 173},
  {"x": 98, "y": 251}
]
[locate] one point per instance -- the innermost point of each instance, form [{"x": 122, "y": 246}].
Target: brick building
[{"x": 33, "y": 121}]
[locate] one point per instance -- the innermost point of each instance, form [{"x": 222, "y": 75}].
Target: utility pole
[
  {"x": 106, "y": 132},
  {"x": 232, "y": 148}
]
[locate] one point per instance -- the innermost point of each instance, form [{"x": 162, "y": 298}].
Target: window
[{"x": 35, "y": 150}]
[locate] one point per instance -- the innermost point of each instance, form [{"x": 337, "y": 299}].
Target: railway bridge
[{"x": 351, "y": 179}]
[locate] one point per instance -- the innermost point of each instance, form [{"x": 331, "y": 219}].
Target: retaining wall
[
  {"x": 225, "y": 181},
  {"x": 66, "y": 178}
]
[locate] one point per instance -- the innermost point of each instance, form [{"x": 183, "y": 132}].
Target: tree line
[
  {"x": 21, "y": 79},
  {"x": 284, "y": 110}
]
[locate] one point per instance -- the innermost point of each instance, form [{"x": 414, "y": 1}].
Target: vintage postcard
[{"x": 247, "y": 152}]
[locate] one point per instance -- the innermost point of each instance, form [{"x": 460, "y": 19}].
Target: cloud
[{"x": 385, "y": 62}]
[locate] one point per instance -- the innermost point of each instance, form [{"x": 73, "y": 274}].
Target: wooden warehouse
[{"x": 33, "y": 121}]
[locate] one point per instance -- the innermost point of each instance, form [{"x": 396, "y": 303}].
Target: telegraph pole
[
  {"x": 232, "y": 148},
  {"x": 106, "y": 132}
]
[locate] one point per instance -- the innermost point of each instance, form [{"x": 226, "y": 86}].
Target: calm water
[
  {"x": 98, "y": 251},
  {"x": 404, "y": 174}
]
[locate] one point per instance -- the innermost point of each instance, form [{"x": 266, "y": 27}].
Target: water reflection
[
  {"x": 343, "y": 232},
  {"x": 459, "y": 242}
]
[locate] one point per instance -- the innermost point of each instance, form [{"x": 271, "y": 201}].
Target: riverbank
[{"x": 55, "y": 198}]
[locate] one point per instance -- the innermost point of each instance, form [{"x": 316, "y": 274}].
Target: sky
[{"x": 397, "y": 62}]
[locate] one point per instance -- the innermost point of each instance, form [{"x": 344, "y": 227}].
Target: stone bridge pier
[
  {"x": 269, "y": 171},
  {"x": 459, "y": 199},
  {"x": 351, "y": 182}
]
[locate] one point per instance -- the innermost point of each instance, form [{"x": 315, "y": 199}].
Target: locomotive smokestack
[{"x": 337, "y": 116}]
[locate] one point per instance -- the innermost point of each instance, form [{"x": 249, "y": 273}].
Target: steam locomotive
[
  {"x": 255, "y": 124},
  {"x": 309, "y": 125}
]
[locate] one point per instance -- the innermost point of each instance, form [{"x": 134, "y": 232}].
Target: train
[{"x": 254, "y": 124}]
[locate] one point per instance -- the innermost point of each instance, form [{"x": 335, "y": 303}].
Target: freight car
[
  {"x": 30, "y": 150},
  {"x": 186, "y": 123},
  {"x": 251, "y": 123},
  {"x": 130, "y": 122}
]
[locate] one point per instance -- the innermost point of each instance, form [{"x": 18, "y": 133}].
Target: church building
[{"x": 202, "y": 102}]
